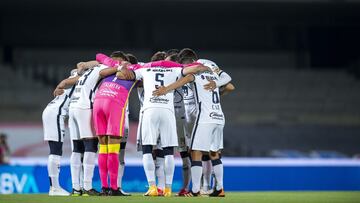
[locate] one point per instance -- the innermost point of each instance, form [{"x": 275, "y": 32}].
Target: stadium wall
[{"x": 23, "y": 176}]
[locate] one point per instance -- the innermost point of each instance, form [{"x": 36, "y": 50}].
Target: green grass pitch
[{"x": 238, "y": 197}]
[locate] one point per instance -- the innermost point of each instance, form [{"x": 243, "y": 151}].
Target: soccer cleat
[
  {"x": 91, "y": 192},
  {"x": 160, "y": 192},
  {"x": 152, "y": 192},
  {"x": 217, "y": 193},
  {"x": 104, "y": 191},
  {"x": 192, "y": 194},
  {"x": 182, "y": 192},
  {"x": 117, "y": 192},
  {"x": 54, "y": 191},
  {"x": 76, "y": 193},
  {"x": 167, "y": 192},
  {"x": 124, "y": 193},
  {"x": 205, "y": 192}
]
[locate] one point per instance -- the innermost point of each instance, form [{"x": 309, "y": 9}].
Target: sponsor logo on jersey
[
  {"x": 161, "y": 70},
  {"x": 216, "y": 116},
  {"x": 208, "y": 77},
  {"x": 159, "y": 100}
]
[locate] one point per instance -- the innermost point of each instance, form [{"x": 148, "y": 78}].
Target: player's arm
[
  {"x": 195, "y": 69},
  {"x": 224, "y": 79},
  {"x": 125, "y": 74},
  {"x": 112, "y": 70},
  {"x": 83, "y": 66},
  {"x": 179, "y": 83},
  {"x": 227, "y": 89},
  {"x": 64, "y": 84},
  {"x": 108, "y": 61}
]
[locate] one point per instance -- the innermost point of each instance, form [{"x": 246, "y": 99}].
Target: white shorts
[
  {"x": 158, "y": 122},
  {"x": 81, "y": 123},
  {"x": 207, "y": 137},
  {"x": 53, "y": 124}
]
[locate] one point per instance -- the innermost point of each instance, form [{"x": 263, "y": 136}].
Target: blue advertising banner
[{"x": 237, "y": 177}]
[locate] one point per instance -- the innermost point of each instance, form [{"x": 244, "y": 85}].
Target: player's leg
[
  {"x": 102, "y": 162},
  {"x": 91, "y": 146},
  {"x": 183, "y": 150},
  {"x": 113, "y": 163},
  {"x": 100, "y": 124},
  {"x": 200, "y": 143},
  {"x": 207, "y": 171},
  {"x": 216, "y": 146},
  {"x": 186, "y": 172},
  {"x": 122, "y": 154},
  {"x": 149, "y": 135},
  {"x": 159, "y": 169},
  {"x": 54, "y": 129},
  {"x": 77, "y": 152},
  {"x": 169, "y": 140}
]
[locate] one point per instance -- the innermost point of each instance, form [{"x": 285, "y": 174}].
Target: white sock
[
  {"x": 149, "y": 168},
  {"x": 121, "y": 173},
  {"x": 207, "y": 169},
  {"x": 54, "y": 170},
  {"x": 186, "y": 172},
  {"x": 75, "y": 166},
  {"x": 160, "y": 172},
  {"x": 169, "y": 170},
  {"x": 219, "y": 174},
  {"x": 89, "y": 165},
  {"x": 196, "y": 172}
]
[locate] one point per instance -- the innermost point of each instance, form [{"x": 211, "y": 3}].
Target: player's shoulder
[{"x": 162, "y": 64}]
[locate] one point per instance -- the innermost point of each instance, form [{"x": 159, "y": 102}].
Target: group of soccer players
[{"x": 180, "y": 109}]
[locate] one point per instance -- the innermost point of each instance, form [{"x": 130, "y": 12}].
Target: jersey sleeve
[
  {"x": 138, "y": 74},
  {"x": 224, "y": 79}
]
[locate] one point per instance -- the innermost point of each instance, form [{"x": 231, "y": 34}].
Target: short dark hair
[
  {"x": 187, "y": 53},
  {"x": 171, "y": 52},
  {"x": 132, "y": 58},
  {"x": 158, "y": 56},
  {"x": 186, "y": 60},
  {"x": 119, "y": 54},
  {"x": 173, "y": 57}
]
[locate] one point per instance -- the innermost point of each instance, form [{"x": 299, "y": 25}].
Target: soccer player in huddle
[
  {"x": 201, "y": 85},
  {"x": 82, "y": 133},
  {"x": 158, "y": 118},
  {"x": 172, "y": 55},
  {"x": 53, "y": 117},
  {"x": 208, "y": 130},
  {"x": 110, "y": 115}
]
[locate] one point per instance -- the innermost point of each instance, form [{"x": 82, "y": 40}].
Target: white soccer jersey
[
  {"x": 224, "y": 79},
  {"x": 189, "y": 99},
  {"x": 140, "y": 92},
  {"x": 86, "y": 87},
  {"x": 179, "y": 103},
  {"x": 208, "y": 102},
  {"x": 61, "y": 102},
  {"x": 158, "y": 74}
]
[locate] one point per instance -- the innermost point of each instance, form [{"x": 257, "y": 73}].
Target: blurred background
[{"x": 295, "y": 65}]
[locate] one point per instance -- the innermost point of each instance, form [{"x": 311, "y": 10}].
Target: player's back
[
  {"x": 85, "y": 88},
  {"x": 61, "y": 102},
  {"x": 154, "y": 75},
  {"x": 208, "y": 102},
  {"x": 114, "y": 89}
]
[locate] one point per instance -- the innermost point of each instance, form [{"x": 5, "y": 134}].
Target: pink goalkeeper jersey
[{"x": 116, "y": 89}]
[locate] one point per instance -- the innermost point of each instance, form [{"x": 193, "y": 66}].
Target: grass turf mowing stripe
[{"x": 268, "y": 197}]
